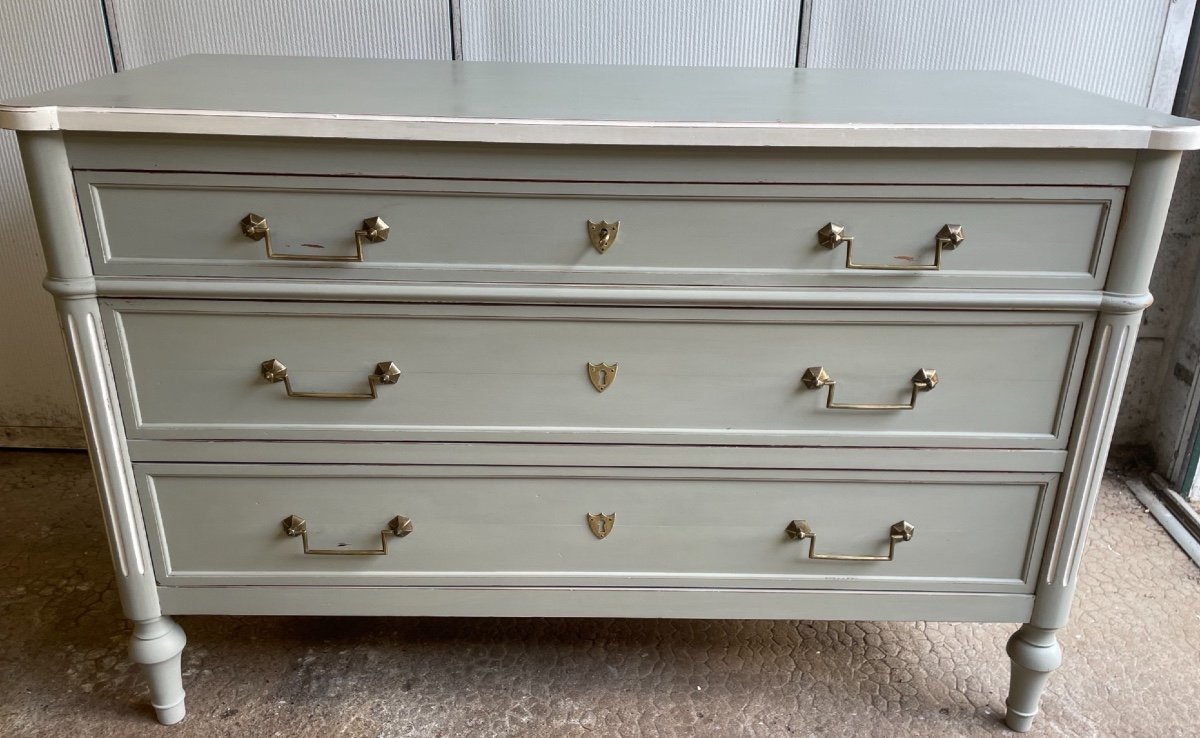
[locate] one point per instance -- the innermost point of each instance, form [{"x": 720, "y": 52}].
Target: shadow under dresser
[{"x": 699, "y": 343}]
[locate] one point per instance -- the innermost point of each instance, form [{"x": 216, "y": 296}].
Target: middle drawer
[{"x": 302, "y": 371}]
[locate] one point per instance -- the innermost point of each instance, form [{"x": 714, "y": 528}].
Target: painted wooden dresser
[{"x": 433, "y": 338}]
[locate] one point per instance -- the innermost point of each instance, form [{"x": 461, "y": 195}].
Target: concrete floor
[{"x": 1132, "y": 655}]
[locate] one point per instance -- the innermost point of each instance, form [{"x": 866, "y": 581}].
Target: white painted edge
[{"x": 591, "y": 132}]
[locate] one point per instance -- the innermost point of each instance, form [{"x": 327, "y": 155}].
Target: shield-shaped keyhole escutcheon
[
  {"x": 603, "y": 234},
  {"x": 600, "y": 524},
  {"x": 602, "y": 375}
]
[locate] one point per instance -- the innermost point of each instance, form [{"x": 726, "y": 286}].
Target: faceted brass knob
[
  {"x": 400, "y": 526},
  {"x": 798, "y": 530},
  {"x": 388, "y": 373},
  {"x": 295, "y": 525},
  {"x": 902, "y": 531},
  {"x": 375, "y": 230},
  {"x": 925, "y": 379},
  {"x": 274, "y": 371},
  {"x": 815, "y": 377},
  {"x": 254, "y": 227},
  {"x": 832, "y": 235},
  {"x": 951, "y": 236}
]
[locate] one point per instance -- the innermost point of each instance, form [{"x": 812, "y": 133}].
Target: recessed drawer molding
[
  {"x": 218, "y": 524},
  {"x": 731, "y": 377},
  {"x": 487, "y": 231}
]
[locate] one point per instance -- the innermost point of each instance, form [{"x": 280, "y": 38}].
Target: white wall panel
[
  {"x": 43, "y": 44},
  {"x": 1107, "y": 46},
  {"x": 747, "y": 33},
  {"x": 147, "y": 31}
]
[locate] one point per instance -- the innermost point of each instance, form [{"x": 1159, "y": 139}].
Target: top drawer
[{"x": 187, "y": 224}]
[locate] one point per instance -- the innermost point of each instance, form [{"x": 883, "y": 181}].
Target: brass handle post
[
  {"x": 799, "y": 530},
  {"x": 386, "y": 372},
  {"x": 374, "y": 230},
  {"x": 950, "y": 237},
  {"x": 815, "y": 377},
  {"x": 398, "y": 527}
]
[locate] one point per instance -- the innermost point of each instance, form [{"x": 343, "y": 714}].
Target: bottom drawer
[{"x": 508, "y": 526}]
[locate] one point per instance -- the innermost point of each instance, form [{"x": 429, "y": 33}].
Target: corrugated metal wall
[
  {"x": 1127, "y": 50},
  {"x": 42, "y": 45},
  {"x": 1105, "y": 46},
  {"x": 148, "y": 31},
  {"x": 747, "y": 33}
]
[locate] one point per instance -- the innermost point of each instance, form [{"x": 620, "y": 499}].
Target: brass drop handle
[
  {"x": 799, "y": 530},
  {"x": 950, "y": 237},
  {"x": 398, "y": 527},
  {"x": 815, "y": 377},
  {"x": 603, "y": 234},
  {"x": 374, "y": 230},
  {"x": 386, "y": 372}
]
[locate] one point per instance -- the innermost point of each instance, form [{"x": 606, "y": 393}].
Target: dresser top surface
[{"x": 583, "y": 104}]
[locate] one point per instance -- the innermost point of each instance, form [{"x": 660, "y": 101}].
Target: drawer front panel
[
  {"x": 487, "y": 231},
  {"x": 194, "y": 370},
  {"x": 214, "y": 524}
]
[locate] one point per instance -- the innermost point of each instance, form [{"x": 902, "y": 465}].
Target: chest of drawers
[{"x": 483, "y": 339}]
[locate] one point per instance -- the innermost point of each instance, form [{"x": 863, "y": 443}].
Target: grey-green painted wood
[
  {"x": 1034, "y": 649},
  {"x": 861, "y": 298},
  {"x": 516, "y": 527},
  {"x": 580, "y": 104},
  {"x": 191, "y": 370},
  {"x": 157, "y": 641},
  {"x": 485, "y": 231},
  {"x": 591, "y": 602},
  {"x": 645, "y": 164},
  {"x": 52, "y": 193},
  {"x": 609, "y": 455},
  {"x": 157, "y": 645}
]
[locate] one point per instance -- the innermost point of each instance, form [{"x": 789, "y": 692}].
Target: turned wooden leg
[
  {"x": 1035, "y": 653},
  {"x": 158, "y": 645}
]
